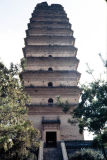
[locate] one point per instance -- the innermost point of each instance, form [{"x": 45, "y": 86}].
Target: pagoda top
[{"x": 44, "y": 5}]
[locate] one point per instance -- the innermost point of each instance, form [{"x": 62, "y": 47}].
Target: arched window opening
[
  {"x": 50, "y": 56},
  {"x": 50, "y": 84},
  {"x": 50, "y": 69},
  {"x": 50, "y": 101}
]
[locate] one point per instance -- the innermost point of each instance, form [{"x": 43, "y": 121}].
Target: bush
[{"x": 87, "y": 154}]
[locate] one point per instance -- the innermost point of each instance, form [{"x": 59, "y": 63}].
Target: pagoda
[{"x": 50, "y": 73}]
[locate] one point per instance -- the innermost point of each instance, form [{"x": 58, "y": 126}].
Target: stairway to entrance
[{"x": 50, "y": 153}]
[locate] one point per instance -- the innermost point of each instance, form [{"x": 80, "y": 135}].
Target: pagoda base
[{"x": 57, "y": 124}]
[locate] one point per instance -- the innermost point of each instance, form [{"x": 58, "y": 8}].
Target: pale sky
[{"x": 88, "y": 19}]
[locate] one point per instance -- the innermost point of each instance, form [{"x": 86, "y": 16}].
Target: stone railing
[
  {"x": 78, "y": 144},
  {"x": 40, "y": 157},
  {"x": 64, "y": 151}
]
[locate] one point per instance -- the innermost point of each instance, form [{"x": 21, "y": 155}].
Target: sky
[{"x": 88, "y": 19}]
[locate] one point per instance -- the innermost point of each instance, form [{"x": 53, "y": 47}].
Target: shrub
[{"x": 87, "y": 154}]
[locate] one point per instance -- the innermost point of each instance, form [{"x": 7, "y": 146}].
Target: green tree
[
  {"x": 17, "y": 135},
  {"x": 92, "y": 109},
  {"x": 97, "y": 140}
]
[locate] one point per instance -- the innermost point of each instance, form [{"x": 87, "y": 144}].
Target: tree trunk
[{"x": 103, "y": 150}]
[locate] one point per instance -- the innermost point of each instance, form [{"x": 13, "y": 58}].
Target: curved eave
[
  {"x": 51, "y": 72},
  {"x": 49, "y": 105},
  {"x": 53, "y": 58},
  {"x": 52, "y": 88}
]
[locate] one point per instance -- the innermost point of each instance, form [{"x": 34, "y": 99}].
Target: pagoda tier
[
  {"x": 41, "y": 95},
  {"x": 49, "y": 31},
  {"x": 55, "y": 63},
  {"x": 49, "y": 40},
  {"x": 47, "y": 18},
  {"x": 47, "y": 24},
  {"x": 45, "y": 51},
  {"x": 58, "y": 78},
  {"x": 48, "y": 13},
  {"x": 44, "y": 109}
]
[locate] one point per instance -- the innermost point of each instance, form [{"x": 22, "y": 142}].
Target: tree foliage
[
  {"x": 100, "y": 139},
  {"x": 87, "y": 154},
  {"x": 92, "y": 110},
  {"x": 17, "y": 135}
]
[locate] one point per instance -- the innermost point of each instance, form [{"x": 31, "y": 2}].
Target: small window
[
  {"x": 50, "y": 69},
  {"x": 50, "y": 56},
  {"x": 50, "y": 84},
  {"x": 50, "y": 101}
]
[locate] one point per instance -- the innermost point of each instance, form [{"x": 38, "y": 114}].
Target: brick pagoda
[{"x": 51, "y": 72}]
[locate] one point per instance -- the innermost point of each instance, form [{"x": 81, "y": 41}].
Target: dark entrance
[
  {"x": 51, "y": 139},
  {"x": 50, "y": 101}
]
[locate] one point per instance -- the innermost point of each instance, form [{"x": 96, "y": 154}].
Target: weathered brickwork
[
  {"x": 52, "y": 25},
  {"x": 66, "y": 131},
  {"x": 49, "y": 40},
  {"x": 45, "y": 51},
  {"x": 51, "y": 71},
  {"x": 48, "y": 31}
]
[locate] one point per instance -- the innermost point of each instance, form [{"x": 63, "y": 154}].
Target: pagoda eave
[{"x": 54, "y": 109}]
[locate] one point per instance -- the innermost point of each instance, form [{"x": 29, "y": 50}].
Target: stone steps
[{"x": 52, "y": 154}]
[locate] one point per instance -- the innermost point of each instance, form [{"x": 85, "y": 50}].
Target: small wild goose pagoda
[{"x": 50, "y": 73}]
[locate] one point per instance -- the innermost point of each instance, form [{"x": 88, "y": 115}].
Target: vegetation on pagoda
[{"x": 64, "y": 105}]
